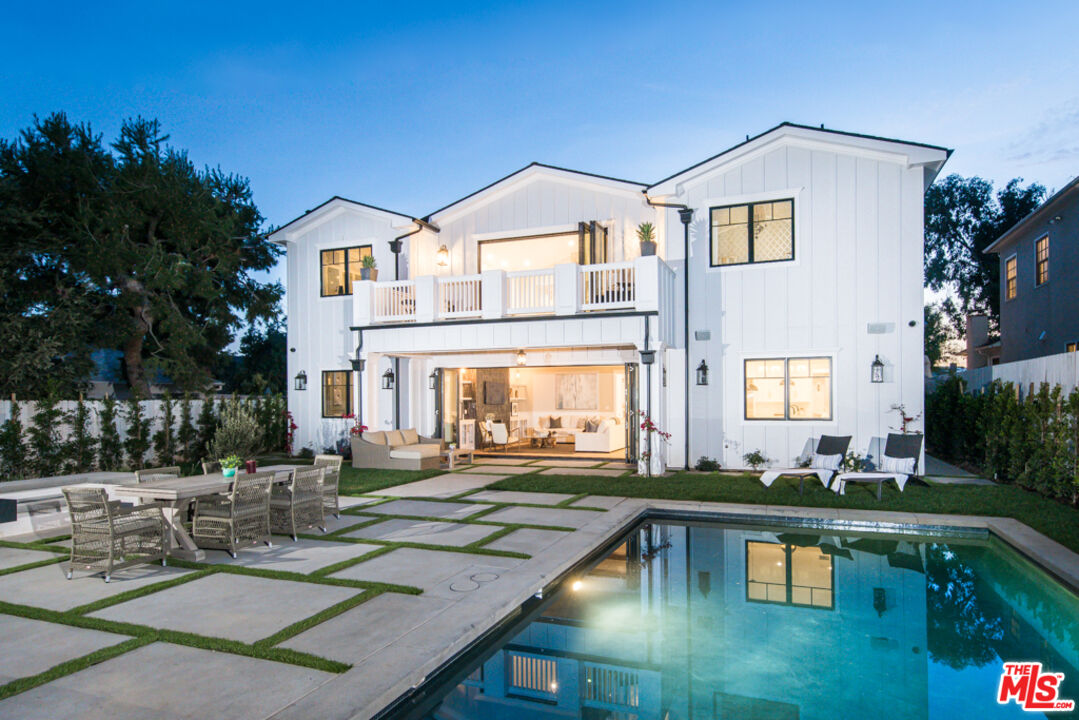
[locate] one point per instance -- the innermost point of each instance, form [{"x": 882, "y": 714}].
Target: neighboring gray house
[{"x": 1039, "y": 282}]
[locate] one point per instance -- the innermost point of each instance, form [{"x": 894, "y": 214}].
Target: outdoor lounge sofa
[
  {"x": 824, "y": 463},
  {"x": 396, "y": 450},
  {"x": 899, "y": 463}
]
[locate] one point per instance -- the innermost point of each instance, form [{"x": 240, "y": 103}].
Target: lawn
[
  {"x": 1051, "y": 518},
  {"x": 356, "y": 481}
]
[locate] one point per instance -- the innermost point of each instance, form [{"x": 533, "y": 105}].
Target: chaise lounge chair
[
  {"x": 828, "y": 456},
  {"x": 900, "y": 462}
]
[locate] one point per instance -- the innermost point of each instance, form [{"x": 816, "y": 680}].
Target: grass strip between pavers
[
  {"x": 31, "y": 566},
  {"x": 21, "y": 685},
  {"x": 307, "y": 623},
  {"x": 570, "y": 500},
  {"x": 32, "y": 546},
  {"x": 466, "y": 521},
  {"x": 395, "y": 544}
]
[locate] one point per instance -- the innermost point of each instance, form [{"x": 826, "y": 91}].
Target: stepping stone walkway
[
  {"x": 527, "y": 540},
  {"x": 425, "y": 532},
  {"x": 304, "y": 557},
  {"x": 555, "y": 517},
  {"x": 598, "y": 501},
  {"x": 502, "y": 461},
  {"x": 441, "y": 486},
  {"x": 14, "y": 557},
  {"x": 48, "y": 587},
  {"x": 599, "y": 472},
  {"x": 513, "y": 496},
  {"x": 29, "y": 647},
  {"x": 432, "y": 570},
  {"x": 503, "y": 470},
  {"x": 569, "y": 463},
  {"x": 428, "y": 508}
]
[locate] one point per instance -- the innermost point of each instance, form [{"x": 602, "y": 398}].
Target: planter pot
[
  {"x": 228, "y": 472},
  {"x": 368, "y": 273},
  {"x": 648, "y": 248}
]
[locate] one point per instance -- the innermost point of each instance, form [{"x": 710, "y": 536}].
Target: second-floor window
[
  {"x": 340, "y": 267},
  {"x": 752, "y": 233},
  {"x": 1011, "y": 278},
  {"x": 1041, "y": 252}
]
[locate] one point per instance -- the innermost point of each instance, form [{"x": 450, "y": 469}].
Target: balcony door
[{"x": 591, "y": 243}]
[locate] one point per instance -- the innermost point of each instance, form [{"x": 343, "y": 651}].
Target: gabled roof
[
  {"x": 337, "y": 201},
  {"x": 1038, "y": 214},
  {"x": 533, "y": 167},
  {"x": 931, "y": 154}
]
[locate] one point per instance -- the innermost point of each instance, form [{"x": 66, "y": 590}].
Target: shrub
[
  {"x": 707, "y": 464},
  {"x": 13, "y": 459},
  {"x": 756, "y": 459},
  {"x": 47, "y": 450},
  {"x": 164, "y": 440},
  {"x": 110, "y": 450},
  {"x": 186, "y": 435},
  {"x": 853, "y": 462},
  {"x": 239, "y": 432},
  {"x": 207, "y": 423},
  {"x": 79, "y": 448},
  {"x": 137, "y": 442}
]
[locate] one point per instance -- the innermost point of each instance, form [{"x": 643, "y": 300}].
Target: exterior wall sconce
[
  {"x": 648, "y": 357},
  {"x": 521, "y": 359},
  {"x": 432, "y": 380},
  {"x": 442, "y": 257},
  {"x": 876, "y": 372},
  {"x": 358, "y": 364},
  {"x": 388, "y": 380},
  {"x": 301, "y": 381},
  {"x": 702, "y": 373}
]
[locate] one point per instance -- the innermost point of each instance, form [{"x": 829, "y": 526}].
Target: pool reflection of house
[{"x": 701, "y": 622}]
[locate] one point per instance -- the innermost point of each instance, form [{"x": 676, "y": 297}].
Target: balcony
[{"x": 643, "y": 284}]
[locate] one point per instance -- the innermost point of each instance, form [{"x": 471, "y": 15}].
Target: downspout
[{"x": 685, "y": 214}]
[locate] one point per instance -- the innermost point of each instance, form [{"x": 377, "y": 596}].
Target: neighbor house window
[
  {"x": 1011, "y": 281},
  {"x": 753, "y": 233},
  {"x": 336, "y": 393},
  {"x": 798, "y": 388},
  {"x": 341, "y": 267},
  {"x": 788, "y": 575},
  {"x": 1071, "y": 347},
  {"x": 1041, "y": 252}
]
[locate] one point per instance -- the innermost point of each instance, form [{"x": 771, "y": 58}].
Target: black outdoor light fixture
[
  {"x": 301, "y": 381},
  {"x": 387, "y": 380},
  {"x": 702, "y": 373},
  {"x": 876, "y": 373},
  {"x": 432, "y": 380}
]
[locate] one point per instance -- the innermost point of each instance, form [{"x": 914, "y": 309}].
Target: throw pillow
[
  {"x": 544, "y": 422},
  {"x": 591, "y": 427},
  {"x": 581, "y": 423},
  {"x": 903, "y": 466},
  {"x": 556, "y": 423},
  {"x": 826, "y": 462}
]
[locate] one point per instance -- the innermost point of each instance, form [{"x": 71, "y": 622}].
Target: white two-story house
[{"x": 783, "y": 301}]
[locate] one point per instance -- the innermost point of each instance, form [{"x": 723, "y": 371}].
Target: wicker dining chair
[
  {"x": 210, "y": 466},
  {"x": 154, "y": 473},
  {"x": 330, "y": 481},
  {"x": 106, "y": 536},
  {"x": 298, "y": 504},
  {"x": 242, "y": 517}
]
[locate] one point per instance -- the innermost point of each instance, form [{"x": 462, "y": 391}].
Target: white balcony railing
[
  {"x": 530, "y": 292},
  {"x": 460, "y": 296},
  {"x": 646, "y": 283},
  {"x": 610, "y": 687}
]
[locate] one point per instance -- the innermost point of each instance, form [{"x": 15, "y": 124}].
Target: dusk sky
[{"x": 410, "y": 106}]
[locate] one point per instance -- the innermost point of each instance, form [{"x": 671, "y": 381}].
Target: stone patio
[
  {"x": 555, "y": 517},
  {"x": 442, "y": 486},
  {"x": 503, "y": 470},
  {"x": 426, "y": 569},
  {"x": 14, "y": 557},
  {"x": 513, "y": 496},
  {"x": 426, "y": 508},
  {"x": 599, "y": 472},
  {"x": 47, "y": 587},
  {"x": 237, "y": 607},
  {"x": 29, "y": 647},
  {"x": 527, "y": 540},
  {"x": 303, "y": 557},
  {"x": 426, "y": 532}
]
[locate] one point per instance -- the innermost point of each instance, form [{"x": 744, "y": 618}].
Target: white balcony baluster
[
  {"x": 395, "y": 301},
  {"x": 459, "y": 296},
  {"x": 530, "y": 292},
  {"x": 608, "y": 286}
]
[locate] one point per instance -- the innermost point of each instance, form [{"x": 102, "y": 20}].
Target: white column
[
  {"x": 566, "y": 289},
  {"x": 426, "y": 298},
  {"x": 493, "y": 293}
]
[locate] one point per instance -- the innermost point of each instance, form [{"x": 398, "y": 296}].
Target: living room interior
[{"x": 570, "y": 411}]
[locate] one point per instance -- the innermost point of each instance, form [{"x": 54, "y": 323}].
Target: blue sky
[{"x": 410, "y": 106}]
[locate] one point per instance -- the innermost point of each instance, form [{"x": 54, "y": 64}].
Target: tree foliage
[
  {"x": 963, "y": 217},
  {"x": 110, "y": 449},
  {"x": 14, "y": 462},
  {"x": 79, "y": 449},
  {"x": 129, "y": 242},
  {"x": 260, "y": 366}
]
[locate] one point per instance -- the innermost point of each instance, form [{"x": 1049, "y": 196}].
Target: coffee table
[{"x": 452, "y": 456}]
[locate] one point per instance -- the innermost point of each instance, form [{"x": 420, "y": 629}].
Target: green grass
[
  {"x": 357, "y": 481},
  {"x": 1054, "y": 519}
]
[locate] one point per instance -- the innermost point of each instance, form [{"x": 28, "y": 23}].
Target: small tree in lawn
[
  {"x": 110, "y": 450},
  {"x": 13, "y": 460},
  {"x": 186, "y": 435},
  {"x": 48, "y": 451},
  {"x": 207, "y": 423},
  {"x": 80, "y": 445},
  {"x": 138, "y": 434},
  {"x": 164, "y": 440}
]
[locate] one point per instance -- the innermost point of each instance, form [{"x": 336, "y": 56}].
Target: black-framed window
[
  {"x": 340, "y": 267},
  {"x": 751, "y": 233},
  {"x": 336, "y": 393},
  {"x": 796, "y": 388},
  {"x": 785, "y": 574},
  {"x": 1011, "y": 278},
  {"x": 1041, "y": 260},
  {"x": 1071, "y": 347}
]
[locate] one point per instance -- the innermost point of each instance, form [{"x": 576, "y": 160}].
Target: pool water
[{"x": 722, "y": 621}]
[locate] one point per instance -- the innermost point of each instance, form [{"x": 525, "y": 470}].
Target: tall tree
[
  {"x": 132, "y": 243},
  {"x": 963, "y": 217}
]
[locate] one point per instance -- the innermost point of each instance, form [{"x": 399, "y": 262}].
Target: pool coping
[{"x": 406, "y": 667}]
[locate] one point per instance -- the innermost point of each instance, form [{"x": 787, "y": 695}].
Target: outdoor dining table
[{"x": 175, "y": 494}]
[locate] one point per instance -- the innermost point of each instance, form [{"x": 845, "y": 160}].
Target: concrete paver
[
  {"x": 424, "y": 531},
  {"x": 48, "y": 587},
  {"x": 502, "y": 461},
  {"x": 441, "y": 486},
  {"x": 237, "y": 607},
  {"x": 14, "y": 557},
  {"x": 427, "y": 569},
  {"x": 304, "y": 556},
  {"x": 527, "y": 540},
  {"x": 598, "y": 472},
  {"x": 347, "y": 501},
  {"x": 598, "y": 501},
  {"x": 512, "y": 496},
  {"x": 29, "y": 647},
  {"x": 427, "y": 508},
  {"x": 556, "y": 517},
  {"x": 168, "y": 682},
  {"x": 503, "y": 470},
  {"x": 569, "y": 463}
]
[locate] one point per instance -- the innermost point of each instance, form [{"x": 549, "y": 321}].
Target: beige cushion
[
  {"x": 544, "y": 421},
  {"x": 394, "y": 438},
  {"x": 414, "y": 452},
  {"x": 378, "y": 438},
  {"x": 411, "y": 436}
]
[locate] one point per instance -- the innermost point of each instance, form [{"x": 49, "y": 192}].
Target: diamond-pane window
[{"x": 753, "y": 233}]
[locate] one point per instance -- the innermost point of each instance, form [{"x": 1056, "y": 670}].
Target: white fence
[{"x": 1062, "y": 370}]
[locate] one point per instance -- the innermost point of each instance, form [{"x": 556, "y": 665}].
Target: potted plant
[
  {"x": 646, "y": 233},
  {"x": 369, "y": 268},
  {"x": 355, "y": 431},
  {"x": 229, "y": 465}
]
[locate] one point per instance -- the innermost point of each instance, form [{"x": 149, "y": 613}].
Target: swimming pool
[{"x": 705, "y": 620}]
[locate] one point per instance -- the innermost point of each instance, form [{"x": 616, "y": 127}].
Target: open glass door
[
  {"x": 591, "y": 243},
  {"x": 632, "y": 406}
]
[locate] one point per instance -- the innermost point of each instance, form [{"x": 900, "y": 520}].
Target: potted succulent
[
  {"x": 646, "y": 233},
  {"x": 229, "y": 465},
  {"x": 369, "y": 268}
]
